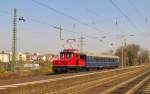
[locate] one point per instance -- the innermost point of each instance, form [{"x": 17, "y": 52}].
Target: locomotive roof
[
  {"x": 70, "y": 50},
  {"x": 102, "y": 55}
]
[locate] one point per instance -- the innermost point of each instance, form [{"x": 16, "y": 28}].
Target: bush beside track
[{"x": 24, "y": 73}]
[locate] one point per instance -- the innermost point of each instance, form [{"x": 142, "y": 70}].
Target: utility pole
[
  {"x": 116, "y": 24},
  {"x": 146, "y": 22},
  {"x": 81, "y": 43},
  {"x": 14, "y": 41},
  {"x": 122, "y": 50},
  {"x": 122, "y": 55},
  {"x": 125, "y": 53},
  {"x": 60, "y": 31}
]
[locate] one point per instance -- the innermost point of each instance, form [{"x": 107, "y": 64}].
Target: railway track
[
  {"x": 96, "y": 86},
  {"x": 86, "y": 87},
  {"x": 92, "y": 83},
  {"x": 146, "y": 87},
  {"x": 130, "y": 86}
]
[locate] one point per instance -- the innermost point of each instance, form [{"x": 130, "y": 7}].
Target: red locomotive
[{"x": 70, "y": 59}]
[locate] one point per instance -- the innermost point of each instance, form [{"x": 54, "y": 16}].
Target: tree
[
  {"x": 119, "y": 53},
  {"x": 131, "y": 55},
  {"x": 144, "y": 56}
]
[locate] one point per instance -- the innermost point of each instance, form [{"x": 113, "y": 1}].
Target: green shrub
[
  {"x": 45, "y": 69},
  {"x": 2, "y": 69}
]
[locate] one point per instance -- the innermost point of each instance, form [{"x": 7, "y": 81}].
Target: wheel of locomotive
[
  {"x": 58, "y": 71},
  {"x": 65, "y": 70},
  {"x": 84, "y": 69},
  {"x": 98, "y": 68},
  {"x": 68, "y": 70},
  {"x": 55, "y": 70},
  {"x": 78, "y": 69},
  {"x": 87, "y": 69}
]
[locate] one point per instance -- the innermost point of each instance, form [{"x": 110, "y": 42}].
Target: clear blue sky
[{"x": 98, "y": 14}]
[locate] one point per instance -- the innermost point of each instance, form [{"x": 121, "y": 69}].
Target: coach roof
[{"x": 102, "y": 55}]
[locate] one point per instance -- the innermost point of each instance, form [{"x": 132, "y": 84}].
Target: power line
[
  {"x": 93, "y": 12},
  {"x": 129, "y": 20},
  {"x": 66, "y": 30},
  {"x": 54, "y": 26},
  {"x": 68, "y": 16},
  {"x": 133, "y": 5},
  {"x": 139, "y": 13}
]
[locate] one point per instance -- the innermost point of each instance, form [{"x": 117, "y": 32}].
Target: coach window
[
  {"x": 90, "y": 58},
  {"x": 95, "y": 58},
  {"x": 110, "y": 60},
  {"x": 107, "y": 59},
  {"x": 103, "y": 60},
  {"x": 100, "y": 59},
  {"x": 116, "y": 60}
]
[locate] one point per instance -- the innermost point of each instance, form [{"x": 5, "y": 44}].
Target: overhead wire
[
  {"x": 133, "y": 5},
  {"x": 53, "y": 26},
  {"x": 139, "y": 14},
  {"x": 68, "y": 16},
  {"x": 98, "y": 15},
  {"x": 93, "y": 13},
  {"x": 67, "y": 30},
  {"x": 126, "y": 16}
]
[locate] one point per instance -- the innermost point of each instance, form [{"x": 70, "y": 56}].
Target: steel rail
[
  {"x": 138, "y": 86},
  {"x": 91, "y": 84},
  {"x": 126, "y": 82}
]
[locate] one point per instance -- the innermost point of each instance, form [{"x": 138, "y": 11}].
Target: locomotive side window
[
  {"x": 62, "y": 55},
  {"x": 67, "y": 55},
  {"x": 82, "y": 56}
]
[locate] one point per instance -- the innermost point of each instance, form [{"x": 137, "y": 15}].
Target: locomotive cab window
[
  {"x": 66, "y": 54},
  {"x": 62, "y": 55}
]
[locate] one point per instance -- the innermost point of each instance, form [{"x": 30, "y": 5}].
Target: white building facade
[{"x": 4, "y": 57}]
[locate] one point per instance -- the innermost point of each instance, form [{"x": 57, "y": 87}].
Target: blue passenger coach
[{"x": 102, "y": 61}]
